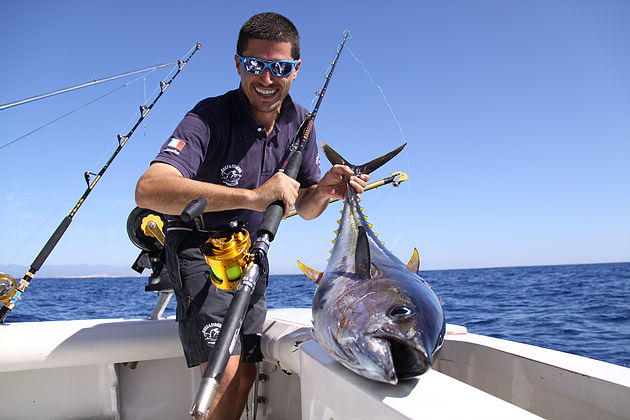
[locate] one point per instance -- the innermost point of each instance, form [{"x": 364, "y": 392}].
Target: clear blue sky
[{"x": 516, "y": 114}]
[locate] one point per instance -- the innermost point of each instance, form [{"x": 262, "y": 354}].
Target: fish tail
[{"x": 336, "y": 159}]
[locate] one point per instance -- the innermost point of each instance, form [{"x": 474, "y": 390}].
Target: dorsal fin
[
  {"x": 314, "y": 275},
  {"x": 336, "y": 159},
  {"x": 414, "y": 263},
  {"x": 362, "y": 263}
]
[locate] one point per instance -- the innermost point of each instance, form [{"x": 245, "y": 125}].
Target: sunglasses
[{"x": 279, "y": 68}]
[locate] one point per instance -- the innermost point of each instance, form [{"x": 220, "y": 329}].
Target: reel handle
[{"x": 193, "y": 211}]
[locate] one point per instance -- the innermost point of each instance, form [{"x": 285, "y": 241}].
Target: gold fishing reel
[
  {"x": 8, "y": 287},
  {"x": 226, "y": 253}
]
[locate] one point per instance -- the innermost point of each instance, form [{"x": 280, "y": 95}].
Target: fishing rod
[
  {"x": 257, "y": 265},
  {"x": 396, "y": 178},
  {"x": 82, "y": 85},
  {"x": 20, "y": 287}
]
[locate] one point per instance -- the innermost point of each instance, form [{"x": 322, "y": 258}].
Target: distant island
[{"x": 78, "y": 271}]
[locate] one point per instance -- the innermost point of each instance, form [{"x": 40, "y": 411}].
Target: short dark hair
[{"x": 269, "y": 26}]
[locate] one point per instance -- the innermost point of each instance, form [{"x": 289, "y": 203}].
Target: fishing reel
[
  {"x": 8, "y": 287},
  {"x": 226, "y": 252},
  {"x": 146, "y": 231},
  {"x": 227, "y": 249}
]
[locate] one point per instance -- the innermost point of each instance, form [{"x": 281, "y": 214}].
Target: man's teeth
[{"x": 266, "y": 92}]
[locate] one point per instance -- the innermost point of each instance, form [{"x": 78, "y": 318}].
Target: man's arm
[
  {"x": 312, "y": 201},
  {"x": 164, "y": 189}
]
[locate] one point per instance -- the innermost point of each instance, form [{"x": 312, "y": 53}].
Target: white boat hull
[{"x": 87, "y": 370}]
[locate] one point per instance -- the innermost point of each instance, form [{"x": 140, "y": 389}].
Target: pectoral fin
[
  {"x": 314, "y": 275},
  {"x": 414, "y": 263}
]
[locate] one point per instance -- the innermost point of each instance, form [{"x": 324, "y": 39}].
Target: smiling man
[{"x": 228, "y": 149}]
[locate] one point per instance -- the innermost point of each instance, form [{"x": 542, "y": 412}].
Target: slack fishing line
[
  {"x": 382, "y": 94},
  {"x": 10, "y": 298},
  {"x": 389, "y": 106}
]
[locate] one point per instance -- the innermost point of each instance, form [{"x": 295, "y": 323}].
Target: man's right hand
[{"x": 279, "y": 187}]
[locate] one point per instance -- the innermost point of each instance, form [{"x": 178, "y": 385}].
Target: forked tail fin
[{"x": 336, "y": 159}]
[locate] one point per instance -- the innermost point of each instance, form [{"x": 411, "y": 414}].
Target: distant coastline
[
  {"x": 74, "y": 271},
  {"x": 87, "y": 271}
]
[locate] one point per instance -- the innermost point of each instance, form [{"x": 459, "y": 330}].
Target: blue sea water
[{"x": 579, "y": 309}]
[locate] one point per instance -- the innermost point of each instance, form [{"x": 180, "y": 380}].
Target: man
[{"x": 228, "y": 149}]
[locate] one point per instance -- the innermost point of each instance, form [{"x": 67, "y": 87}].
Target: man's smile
[{"x": 266, "y": 91}]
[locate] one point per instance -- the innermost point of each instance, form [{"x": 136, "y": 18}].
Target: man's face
[{"x": 265, "y": 91}]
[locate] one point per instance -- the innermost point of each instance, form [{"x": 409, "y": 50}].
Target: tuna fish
[{"x": 371, "y": 312}]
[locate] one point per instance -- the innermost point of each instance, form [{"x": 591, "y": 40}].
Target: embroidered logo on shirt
[
  {"x": 231, "y": 174},
  {"x": 211, "y": 332},
  {"x": 176, "y": 144}
]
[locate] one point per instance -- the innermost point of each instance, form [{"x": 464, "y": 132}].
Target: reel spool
[
  {"x": 145, "y": 230},
  {"x": 8, "y": 287},
  {"x": 226, "y": 253}
]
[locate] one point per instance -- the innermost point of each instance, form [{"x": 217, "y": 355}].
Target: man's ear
[
  {"x": 237, "y": 61},
  {"x": 297, "y": 67}
]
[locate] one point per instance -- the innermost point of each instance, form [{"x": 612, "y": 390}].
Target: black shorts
[{"x": 201, "y": 306}]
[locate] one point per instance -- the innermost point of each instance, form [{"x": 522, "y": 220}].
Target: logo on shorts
[
  {"x": 231, "y": 174},
  {"x": 211, "y": 332}
]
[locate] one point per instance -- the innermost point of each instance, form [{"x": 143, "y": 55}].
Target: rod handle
[
  {"x": 52, "y": 242},
  {"x": 221, "y": 352},
  {"x": 273, "y": 215}
]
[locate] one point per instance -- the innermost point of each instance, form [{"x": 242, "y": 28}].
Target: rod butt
[{"x": 206, "y": 392}]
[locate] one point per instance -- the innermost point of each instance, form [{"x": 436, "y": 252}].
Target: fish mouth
[
  {"x": 409, "y": 360},
  {"x": 399, "y": 358}
]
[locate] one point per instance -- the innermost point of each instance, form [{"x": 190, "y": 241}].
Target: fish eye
[{"x": 400, "y": 311}]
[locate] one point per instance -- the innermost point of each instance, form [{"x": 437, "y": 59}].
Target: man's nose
[{"x": 266, "y": 78}]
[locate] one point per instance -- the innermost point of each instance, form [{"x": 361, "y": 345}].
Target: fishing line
[
  {"x": 91, "y": 183},
  {"x": 61, "y": 117},
  {"x": 73, "y": 111},
  {"x": 380, "y": 89},
  {"x": 156, "y": 91},
  {"x": 402, "y": 133}
]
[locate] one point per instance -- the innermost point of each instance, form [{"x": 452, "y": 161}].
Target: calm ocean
[{"x": 579, "y": 309}]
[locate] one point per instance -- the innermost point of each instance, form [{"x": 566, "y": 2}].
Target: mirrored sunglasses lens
[
  {"x": 280, "y": 68},
  {"x": 253, "y": 66}
]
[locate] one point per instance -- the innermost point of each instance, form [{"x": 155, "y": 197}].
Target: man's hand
[
  {"x": 332, "y": 184},
  {"x": 278, "y": 187}
]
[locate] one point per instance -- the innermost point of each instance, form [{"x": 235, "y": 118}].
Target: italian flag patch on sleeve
[{"x": 176, "y": 144}]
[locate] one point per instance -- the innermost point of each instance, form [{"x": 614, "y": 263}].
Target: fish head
[{"x": 398, "y": 336}]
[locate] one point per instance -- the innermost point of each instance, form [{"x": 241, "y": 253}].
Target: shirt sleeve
[{"x": 187, "y": 147}]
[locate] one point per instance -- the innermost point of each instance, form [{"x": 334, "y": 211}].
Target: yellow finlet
[
  {"x": 414, "y": 263},
  {"x": 314, "y": 275}
]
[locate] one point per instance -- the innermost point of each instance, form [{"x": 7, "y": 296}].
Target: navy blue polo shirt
[{"x": 220, "y": 141}]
